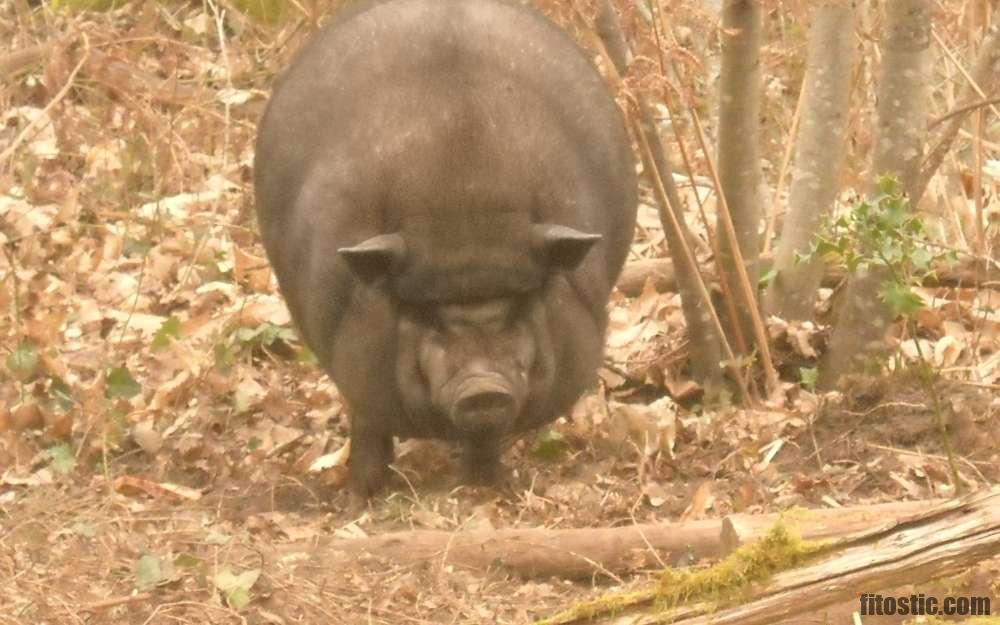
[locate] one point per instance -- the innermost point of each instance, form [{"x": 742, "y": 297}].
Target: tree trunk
[
  {"x": 903, "y": 90},
  {"x": 818, "y": 158},
  {"x": 706, "y": 350},
  {"x": 739, "y": 132},
  {"x": 859, "y": 331}
]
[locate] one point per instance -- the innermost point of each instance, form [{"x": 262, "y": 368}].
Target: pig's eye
[
  {"x": 513, "y": 318},
  {"x": 430, "y": 320},
  {"x": 435, "y": 319},
  {"x": 518, "y": 311}
]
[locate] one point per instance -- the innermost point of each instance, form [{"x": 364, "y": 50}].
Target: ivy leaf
[
  {"x": 224, "y": 357},
  {"x": 768, "y": 276},
  {"x": 188, "y": 561},
  {"x": 23, "y": 361},
  {"x": 136, "y": 247},
  {"x": 236, "y": 588},
  {"x": 61, "y": 458},
  {"x": 895, "y": 212},
  {"x": 825, "y": 248},
  {"x": 306, "y": 356},
  {"x": 808, "y": 376},
  {"x": 121, "y": 384},
  {"x": 901, "y": 298},
  {"x": 888, "y": 185},
  {"x": 169, "y": 329},
  {"x": 265, "y": 334},
  {"x": 149, "y": 572},
  {"x": 921, "y": 259},
  {"x": 61, "y": 394}
]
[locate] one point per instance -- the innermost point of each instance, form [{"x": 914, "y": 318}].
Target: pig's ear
[
  {"x": 562, "y": 247},
  {"x": 375, "y": 258}
]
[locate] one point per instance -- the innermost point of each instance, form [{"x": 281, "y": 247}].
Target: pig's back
[{"x": 456, "y": 122}]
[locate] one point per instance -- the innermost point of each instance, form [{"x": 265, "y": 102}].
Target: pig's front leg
[
  {"x": 481, "y": 459},
  {"x": 371, "y": 453}
]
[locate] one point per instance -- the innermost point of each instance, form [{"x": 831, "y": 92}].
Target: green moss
[
  {"x": 606, "y": 605},
  {"x": 780, "y": 549}
]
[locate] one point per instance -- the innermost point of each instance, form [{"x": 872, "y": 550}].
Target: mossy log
[{"x": 940, "y": 542}]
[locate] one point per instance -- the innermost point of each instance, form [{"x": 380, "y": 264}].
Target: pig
[{"x": 446, "y": 192}]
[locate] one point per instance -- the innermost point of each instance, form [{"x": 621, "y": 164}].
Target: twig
[
  {"x": 972, "y": 81},
  {"x": 752, "y": 309},
  {"x": 19, "y": 61},
  {"x": 728, "y": 297},
  {"x": 114, "y": 602},
  {"x": 985, "y": 71},
  {"x": 962, "y": 110},
  {"x": 699, "y": 282}
]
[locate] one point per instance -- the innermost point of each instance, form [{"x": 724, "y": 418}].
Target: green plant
[
  {"x": 883, "y": 236},
  {"x": 882, "y": 233},
  {"x": 265, "y": 335}
]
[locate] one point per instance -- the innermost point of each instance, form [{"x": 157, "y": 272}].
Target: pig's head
[{"x": 478, "y": 361}]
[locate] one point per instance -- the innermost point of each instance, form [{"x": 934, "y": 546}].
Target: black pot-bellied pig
[{"x": 447, "y": 193}]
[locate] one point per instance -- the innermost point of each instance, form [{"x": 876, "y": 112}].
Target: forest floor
[
  {"x": 78, "y": 547},
  {"x": 163, "y": 434}
]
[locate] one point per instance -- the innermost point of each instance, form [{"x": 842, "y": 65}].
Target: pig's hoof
[
  {"x": 368, "y": 465},
  {"x": 366, "y": 482},
  {"x": 483, "y": 471}
]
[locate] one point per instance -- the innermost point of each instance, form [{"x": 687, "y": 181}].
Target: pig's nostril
[
  {"x": 484, "y": 409},
  {"x": 489, "y": 401}
]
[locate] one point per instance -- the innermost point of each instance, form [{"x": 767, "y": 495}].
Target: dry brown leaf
[
  {"x": 132, "y": 485},
  {"x": 701, "y": 502}
]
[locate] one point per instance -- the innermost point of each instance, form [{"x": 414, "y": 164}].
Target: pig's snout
[{"x": 483, "y": 404}]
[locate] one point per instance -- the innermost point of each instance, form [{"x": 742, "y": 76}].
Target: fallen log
[
  {"x": 117, "y": 75},
  {"x": 943, "y": 541},
  {"x": 661, "y": 272},
  {"x": 128, "y": 80},
  {"x": 582, "y": 553},
  {"x": 978, "y": 582},
  {"x": 17, "y": 62},
  {"x": 636, "y": 273}
]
